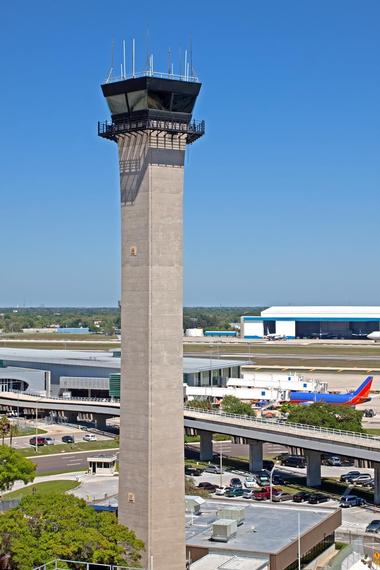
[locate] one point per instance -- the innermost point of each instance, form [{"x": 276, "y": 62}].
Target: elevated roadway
[{"x": 254, "y": 431}]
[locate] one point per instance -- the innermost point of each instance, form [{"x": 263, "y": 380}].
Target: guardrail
[
  {"x": 284, "y": 423},
  {"x": 63, "y": 399},
  {"x": 61, "y": 564}
]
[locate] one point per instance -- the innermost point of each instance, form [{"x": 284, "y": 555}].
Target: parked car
[
  {"x": 294, "y": 461},
  {"x": 370, "y": 483},
  {"x": 68, "y": 439},
  {"x": 374, "y": 526},
  {"x": 346, "y": 477},
  {"x": 301, "y": 497},
  {"x": 213, "y": 469},
  {"x": 281, "y": 496},
  {"x": 334, "y": 460},
  {"x": 207, "y": 486},
  {"x": 278, "y": 479},
  {"x": 262, "y": 477},
  {"x": 49, "y": 440},
  {"x": 236, "y": 482},
  {"x": 347, "y": 461},
  {"x": 251, "y": 482},
  {"x": 263, "y": 494},
  {"x": 234, "y": 492},
  {"x": 362, "y": 478},
  {"x": 37, "y": 441},
  {"x": 89, "y": 437},
  {"x": 221, "y": 490},
  {"x": 248, "y": 493},
  {"x": 351, "y": 501},
  {"x": 316, "y": 498},
  {"x": 268, "y": 464},
  {"x": 193, "y": 471}
]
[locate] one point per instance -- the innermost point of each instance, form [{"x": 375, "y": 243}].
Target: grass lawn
[
  {"x": 69, "y": 447},
  {"x": 373, "y": 431},
  {"x": 19, "y": 432},
  {"x": 45, "y": 488}
]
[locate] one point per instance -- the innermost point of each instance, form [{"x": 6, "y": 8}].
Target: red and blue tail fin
[{"x": 363, "y": 391}]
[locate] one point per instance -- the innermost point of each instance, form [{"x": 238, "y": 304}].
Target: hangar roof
[{"x": 313, "y": 312}]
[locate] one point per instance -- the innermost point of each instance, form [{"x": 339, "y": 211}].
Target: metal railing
[
  {"x": 63, "y": 399},
  {"x": 107, "y": 128},
  {"x": 60, "y": 564},
  {"x": 151, "y": 73},
  {"x": 284, "y": 423}
]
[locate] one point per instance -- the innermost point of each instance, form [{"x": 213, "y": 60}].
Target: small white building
[{"x": 102, "y": 464}]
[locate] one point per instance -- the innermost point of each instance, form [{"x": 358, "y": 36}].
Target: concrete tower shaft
[
  {"x": 151, "y": 123},
  {"x": 151, "y": 496}
]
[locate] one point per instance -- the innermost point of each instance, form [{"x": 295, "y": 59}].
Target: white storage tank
[
  {"x": 194, "y": 332},
  {"x": 223, "y": 530}
]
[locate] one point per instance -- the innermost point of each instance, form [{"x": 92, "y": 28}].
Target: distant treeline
[
  {"x": 106, "y": 320},
  {"x": 215, "y": 318}
]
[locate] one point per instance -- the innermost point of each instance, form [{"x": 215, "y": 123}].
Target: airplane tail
[{"x": 363, "y": 391}]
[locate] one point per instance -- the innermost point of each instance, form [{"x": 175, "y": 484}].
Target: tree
[
  {"x": 5, "y": 427},
  {"x": 232, "y": 405},
  {"x": 200, "y": 404},
  {"x": 325, "y": 415},
  {"x": 45, "y": 527},
  {"x": 14, "y": 467}
]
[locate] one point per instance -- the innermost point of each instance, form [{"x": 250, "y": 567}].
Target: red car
[{"x": 263, "y": 494}]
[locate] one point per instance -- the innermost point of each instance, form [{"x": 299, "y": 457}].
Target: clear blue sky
[{"x": 282, "y": 195}]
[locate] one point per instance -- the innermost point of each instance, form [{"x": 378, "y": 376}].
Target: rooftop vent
[
  {"x": 234, "y": 513},
  {"x": 223, "y": 530}
]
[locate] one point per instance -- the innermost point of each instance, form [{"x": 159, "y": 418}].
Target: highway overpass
[{"x": 254, "y": 431}]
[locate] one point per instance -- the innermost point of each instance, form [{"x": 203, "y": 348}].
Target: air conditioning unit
[
  {"x": 193, "y": 504},
  {"x": 223, "y": 530},
  {"x": 234, "y": 513}
]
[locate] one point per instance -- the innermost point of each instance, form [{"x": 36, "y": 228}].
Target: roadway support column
[
  {"x": 313, "y": 468},
  {"x": 101, "y": 422},
  {"x": 205, "y": 451},
  {"x": 255, "y": 455},
  {"x": 376, "y": 489}
]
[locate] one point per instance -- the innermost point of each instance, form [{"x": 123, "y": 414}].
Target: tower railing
[{"x": 193, "y": 129}]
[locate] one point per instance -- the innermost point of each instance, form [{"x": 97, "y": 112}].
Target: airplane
[
  {"x": 375, "y": 335},
  {"x": 359, "y": 396},
  {"x": 274, "y": 336}
]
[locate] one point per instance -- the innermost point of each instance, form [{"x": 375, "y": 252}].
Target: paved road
[{"x": 71, "y": 461}]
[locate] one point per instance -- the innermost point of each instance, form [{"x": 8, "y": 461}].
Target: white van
[{"x": 89, "y": 437}]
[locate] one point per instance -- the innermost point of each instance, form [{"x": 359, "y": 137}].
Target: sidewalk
[{"x": 91, "y": 487}]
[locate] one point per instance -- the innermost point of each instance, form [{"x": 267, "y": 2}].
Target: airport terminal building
[{"x": 312, "y": 322}]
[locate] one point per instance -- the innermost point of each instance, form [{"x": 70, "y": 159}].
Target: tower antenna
[
  {"x": 109, "y": 76},
  {"x": 133, "y": 57},
  {"x": 185, "y": 70},
  {"x": 124, "y": 69},
  {"x": 170, "y": 62},
  {"x": 191, "y": 57}
]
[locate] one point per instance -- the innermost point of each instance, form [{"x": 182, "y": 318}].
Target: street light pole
[
  {"x": 271, "y": 481},
  {"x": 221, "y": 463},
  {"x": 36, "y": 419}
]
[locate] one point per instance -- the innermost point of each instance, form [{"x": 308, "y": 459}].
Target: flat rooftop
[
  {"x": 267, "y": 529},
  {"x": 103, "y": 359}
]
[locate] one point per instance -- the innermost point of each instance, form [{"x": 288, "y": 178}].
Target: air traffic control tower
[{"x": 151, "y": 122}]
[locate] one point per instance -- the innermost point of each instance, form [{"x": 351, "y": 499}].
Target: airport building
[
  {"x": 312, "y": 322},
  {"x": 93, "y": 374}
]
